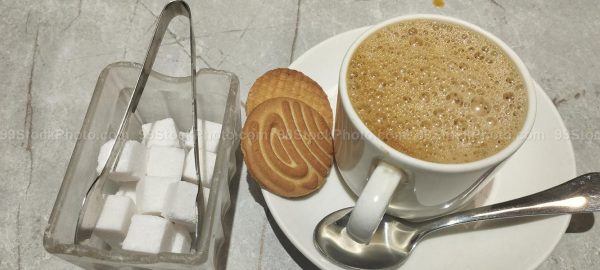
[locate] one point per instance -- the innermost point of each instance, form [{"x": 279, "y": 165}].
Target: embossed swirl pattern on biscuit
[{"x": 294, "y": 143}]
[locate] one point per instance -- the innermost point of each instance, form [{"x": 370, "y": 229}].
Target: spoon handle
[{"x": 581, "y": 194}]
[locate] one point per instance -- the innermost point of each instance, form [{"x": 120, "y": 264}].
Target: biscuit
[
  {"x": 287, "y": 147},
  {"x": 283, "y": 82}
]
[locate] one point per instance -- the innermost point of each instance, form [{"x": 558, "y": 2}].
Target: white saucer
[{"x": 544, "y": 161}]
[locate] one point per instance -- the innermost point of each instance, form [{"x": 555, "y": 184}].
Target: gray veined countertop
[{"x": 52, "y": 51}]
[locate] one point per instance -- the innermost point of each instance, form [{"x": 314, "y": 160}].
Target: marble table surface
[{"x": 52, "y": 51}]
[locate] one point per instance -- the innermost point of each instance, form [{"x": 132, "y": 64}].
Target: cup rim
[{"x": 428, "y": 165}]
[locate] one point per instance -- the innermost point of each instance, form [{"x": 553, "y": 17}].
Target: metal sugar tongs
[{"x": 94, "y": 200}]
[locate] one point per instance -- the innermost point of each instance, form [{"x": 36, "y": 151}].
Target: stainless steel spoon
[{"x": 395, "y": 238}]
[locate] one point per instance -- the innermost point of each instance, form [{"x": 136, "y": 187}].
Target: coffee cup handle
[{"x": 373, "y": 202}]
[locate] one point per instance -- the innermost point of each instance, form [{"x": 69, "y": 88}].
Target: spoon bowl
[
  {"x": 395, "y": 239},
  {"x": 389, "y": 245}
]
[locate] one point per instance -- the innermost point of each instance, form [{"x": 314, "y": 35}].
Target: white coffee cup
[{"x": 387, "y": 180}]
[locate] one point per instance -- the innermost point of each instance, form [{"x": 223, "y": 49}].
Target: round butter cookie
[
  {"x": 287, "y": 147},
  {"x": 284, "y": 82}
]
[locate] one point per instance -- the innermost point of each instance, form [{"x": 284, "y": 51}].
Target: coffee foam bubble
[{"x": 437, "y": 91}]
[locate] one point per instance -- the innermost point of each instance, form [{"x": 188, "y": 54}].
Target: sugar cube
[
  {"x": 114, "y": 219},
  {"x": 180, "y": 204},
  {"x": 151, "y": 194},
  {"x": 96, "y": 242},
  {"x": 212, "y": 135},
  {"x": 131, "y": 165},
  {"x": 189, "y": 170},
  {"x": 146, "y": 128},
  {"x": 187, "y": 140},
  {"x": 165, "y": 161},
  {"x": 163, "y": 133},
  {"x": 181, "y": 240},
  {"x": 183, "y": 138},
  {"x": 149, "y": 234},
  {"x": 127, "y": 189}
]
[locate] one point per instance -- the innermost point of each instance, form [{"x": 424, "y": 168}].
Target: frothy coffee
[{"x": 437, "y": 91}]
